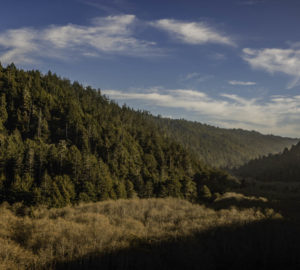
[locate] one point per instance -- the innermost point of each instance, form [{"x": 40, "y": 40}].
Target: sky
[{"x": 231, "y": 64}]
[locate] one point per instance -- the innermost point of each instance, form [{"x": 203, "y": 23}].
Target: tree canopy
[
  {"x": 62, "y": 143},
  {"x": 278, "y": 167}
]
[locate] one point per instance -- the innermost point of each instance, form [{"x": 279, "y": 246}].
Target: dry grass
[
  {"x": 38, "y": 238},
  {"x": 240, "y": 197}
]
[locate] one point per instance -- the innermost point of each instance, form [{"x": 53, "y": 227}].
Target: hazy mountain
[
  {"x": 222, "y": 147},
  {"x": 279, "y": 167}
]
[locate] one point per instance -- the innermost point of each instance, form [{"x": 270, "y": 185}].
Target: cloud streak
[
  {"x": 109, "y": 6},
  {"x": 278, "y": 115},
  {"x": 233, "y": 82},
  {"x": 105, "y": 35},
  {"x": 196, "y": 77},
  {"x": 194, "y": 33},
  {"x": 273, "y": 60}
]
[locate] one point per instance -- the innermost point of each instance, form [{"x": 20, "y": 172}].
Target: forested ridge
[
  {"x": 221, "y": 147},
  {"x": 278, "y": 167},
  {"x": 62, "y": 143}
]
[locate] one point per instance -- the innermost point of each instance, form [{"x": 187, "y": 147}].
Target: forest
[
  {"x": 63, "y": 143},
  {"x": 219, "y": 147},
  {"x": 281, "y": 167},
  {"x": 85, "y": 182}
]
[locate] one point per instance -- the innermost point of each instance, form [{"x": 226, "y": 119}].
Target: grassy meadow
[{"x": 147, "y": 234}]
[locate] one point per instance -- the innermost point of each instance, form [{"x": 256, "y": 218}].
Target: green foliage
[
  {"x": 274, "y": 168},
  {"x": 130, "y": 189},
  {"x": 62, "y": 143},
  {"x": 3, "y": 112},
  {"x": 188, "y": 189},
  {"x": 204, "y": 193},
  {"x": 218, "y": 147}
]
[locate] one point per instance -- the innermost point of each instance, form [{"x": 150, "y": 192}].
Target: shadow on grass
[{"x": 270, "y": 244}]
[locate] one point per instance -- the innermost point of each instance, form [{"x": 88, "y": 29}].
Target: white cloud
[
  {"x": 233, "y": 82},
  {"x": 286, "y": 61},
  {"x": 109, "y": 35},
  {"x": 278, "y": 115},
  {"x": 192, "y": 32},
  {"x": 192, "y": 76},
  {"x": 105, "y": 35},
  {"x": 17, "y": 45},
  {"x": 196, "y": 76}
]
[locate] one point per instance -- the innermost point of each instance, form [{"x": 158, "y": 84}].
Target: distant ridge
[
  {"x": 283, "y": 167},
  {"x": 221, "y": 147}
]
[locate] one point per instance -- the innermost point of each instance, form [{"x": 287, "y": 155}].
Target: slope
[
  {"x": 221, "y": 147},
  {"x": 63, "y": 143},
  {"x": 279, "y": 167}
]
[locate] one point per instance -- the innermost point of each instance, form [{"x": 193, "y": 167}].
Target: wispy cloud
[
  {"x": 110, "y": 35},
  {"x": 233, "y": 82},
  {"x": 193, "y": 32},
  {"x": 108, "y": 6},
  {"x": 218, "y": 56},
  {"x": 278, "y": 115},
  {"x": 195, "y": 77},
  {"x": 105, "y": 35},
  {"x": 273, "y": 60},
  {"x": 18, "y": 45},
  {"x": 295, "y": 45}
]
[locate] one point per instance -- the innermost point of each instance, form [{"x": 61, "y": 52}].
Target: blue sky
[{"x": 233, "y": 63}]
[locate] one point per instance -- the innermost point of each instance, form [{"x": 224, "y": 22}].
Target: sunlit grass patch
[{"x": 40, "y": 237}]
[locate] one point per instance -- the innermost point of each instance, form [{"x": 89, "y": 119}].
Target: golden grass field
[{"x": 41, "y": 238}]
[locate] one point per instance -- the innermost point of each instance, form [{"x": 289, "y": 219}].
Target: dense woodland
[
  {"x": 63, "y": 143},
  {"x": 280, "y": 167},
  {"x": 219, "y": 147}
]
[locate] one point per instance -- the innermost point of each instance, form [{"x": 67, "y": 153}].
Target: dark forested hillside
[
  {"x": 280, "y": 167},
  {"x": 222, "y": 147},
  {"x": 62, "y": 143}
]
